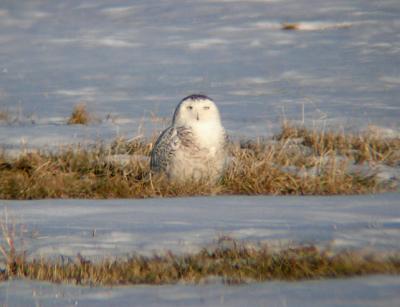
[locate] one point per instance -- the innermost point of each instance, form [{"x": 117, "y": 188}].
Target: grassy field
[
  {"x": 297, "y": 161},
  {"x": 231, "y": 261}
]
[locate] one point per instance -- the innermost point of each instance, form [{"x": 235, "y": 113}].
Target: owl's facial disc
[
  {"x": 199, "y": 110},
  {"x": 196, "y": 110}
]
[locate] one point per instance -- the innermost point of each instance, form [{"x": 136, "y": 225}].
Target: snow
[
  {"x": 370, "y": 291},
  {"x": 133, "y": 60},
  {"x": 105, "y": 228}
]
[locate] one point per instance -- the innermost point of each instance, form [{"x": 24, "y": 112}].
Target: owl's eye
[
  {"x": 206, "y": 107},
  {"x": 189, "y": 107}
]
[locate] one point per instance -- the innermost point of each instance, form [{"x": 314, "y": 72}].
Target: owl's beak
[{"x": 197, "y": 116}]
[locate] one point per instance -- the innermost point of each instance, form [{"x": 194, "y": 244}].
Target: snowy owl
[{"x": 194, "y": 147}]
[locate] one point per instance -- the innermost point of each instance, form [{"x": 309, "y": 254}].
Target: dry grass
[
  {"x": 11, "y": 243},
  {"x": 360, "y": 148},
  {"x": 79, "y": 116},
  {"x": 4, "y": 116},
  {"x": 299, "y": 162},
  {"x": 290, "y": 26},
  {"x": 230, "y": 260},
  {"x": 236, "y": 264}
]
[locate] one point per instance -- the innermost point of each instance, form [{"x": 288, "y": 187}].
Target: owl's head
[{"x": 196, "y": 109}]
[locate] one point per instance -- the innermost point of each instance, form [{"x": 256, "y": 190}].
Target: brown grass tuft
[
  {"x": 290, "y": 26},
  {"x": 4, "y": 116},
  {"x": 11, "y": 245},
  {"x": 79, "y": 115},
  {"x": 361, "y": 147}
]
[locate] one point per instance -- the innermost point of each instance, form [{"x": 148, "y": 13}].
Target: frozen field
[
  {"x": 132, "y": 61},
  {"x": 108, "y": 228},
  {"x": 382, "y": 291},
  {"x": 101, "y": 228}
]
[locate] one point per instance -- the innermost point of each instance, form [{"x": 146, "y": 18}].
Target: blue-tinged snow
[
  {"x": 104, "y": 228},
  {"x": 133, "y": 60},
  {"x": 107, "y": 228},
  {"x": 382, "y": 291}
]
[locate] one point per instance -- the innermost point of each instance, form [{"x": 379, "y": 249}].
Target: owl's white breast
[{"x": 209, "y": 135}]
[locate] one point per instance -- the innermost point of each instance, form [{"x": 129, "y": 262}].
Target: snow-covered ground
[
  {"x": 130, "y": 60},
  {"x": 382, "y": 291},
  {"x": 101, "y": 228}
]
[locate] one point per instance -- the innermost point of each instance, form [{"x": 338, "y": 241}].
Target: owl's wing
[
  {"x": 226, "y": 141},
  {"x": 171, "y": 140}
]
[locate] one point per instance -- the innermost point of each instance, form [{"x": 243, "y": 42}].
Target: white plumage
[{"x": 194, "y": 147}]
